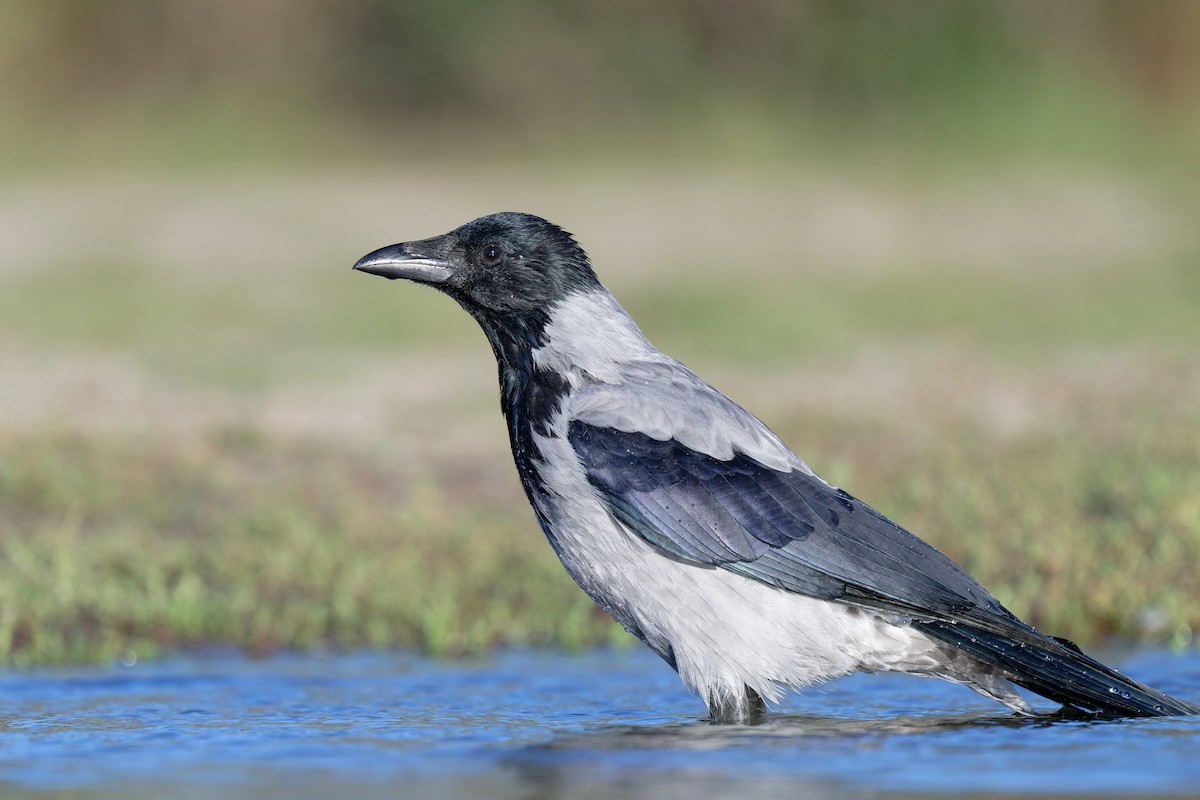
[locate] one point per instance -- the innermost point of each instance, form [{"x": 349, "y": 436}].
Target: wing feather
[
  {"x": 788, "y": 528},
  {"x": 708, "y": 483}
]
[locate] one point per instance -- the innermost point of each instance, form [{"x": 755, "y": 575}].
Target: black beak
[{"x": 411, "y": 260}]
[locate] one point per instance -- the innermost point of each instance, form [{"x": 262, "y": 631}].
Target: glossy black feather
[{"x": 1055, "y": 668}]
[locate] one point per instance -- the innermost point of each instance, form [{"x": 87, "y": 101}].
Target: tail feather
[{"x": 1056, "y": 669}]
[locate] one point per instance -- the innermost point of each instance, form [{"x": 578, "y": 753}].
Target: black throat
[{"x": 529, "y": 395}]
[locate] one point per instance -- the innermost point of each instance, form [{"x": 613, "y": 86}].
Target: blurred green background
[
  {"x": 281, "y": 81},
  {"x": 948, "y": 250}
]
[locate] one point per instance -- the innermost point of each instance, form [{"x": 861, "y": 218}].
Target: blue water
[{"x": 536, "y": 724}]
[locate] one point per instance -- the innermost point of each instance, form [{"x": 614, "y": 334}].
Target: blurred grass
[
  {"x": 765, "y": 317},
  {"x": 249, "y": 452},
  {"x": 125, "y": 544},
  {"x": 142, "y": 545},
  {"x": 203, "y": 331},
  {"x": 772, "y": 321},
  {"x": 948, "y": 250},
  {"x": 1083, "y": 533}
]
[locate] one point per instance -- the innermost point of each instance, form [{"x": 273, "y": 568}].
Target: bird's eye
[{"x": 491, "y": 255}]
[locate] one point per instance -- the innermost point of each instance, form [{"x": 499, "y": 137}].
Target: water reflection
[
  {"x": 703, "y": 735},
  {"x": 547, "y": 725}
]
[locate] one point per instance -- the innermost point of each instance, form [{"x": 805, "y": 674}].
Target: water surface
[{"x": 537, "y": 724}]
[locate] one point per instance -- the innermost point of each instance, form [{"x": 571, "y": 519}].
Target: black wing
[
  {"x": 788, "y": 529},
  {"x": 794, "y": 531}
]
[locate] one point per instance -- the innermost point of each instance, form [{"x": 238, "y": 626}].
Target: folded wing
[{"x": 788, "y": 528}]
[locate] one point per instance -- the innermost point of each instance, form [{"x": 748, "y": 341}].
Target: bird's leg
[
  {"x": 756, "y": 707},
  {"x": 748, "y": 709}
]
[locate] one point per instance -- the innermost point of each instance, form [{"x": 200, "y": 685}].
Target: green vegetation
[
  {"x": 114, "y": 545},
  {"x": 949, "y": 251},
  {"x": 280, "y": 453},
  {"x": 132, "y": 545}
]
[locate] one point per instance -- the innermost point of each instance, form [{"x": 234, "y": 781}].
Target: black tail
[{"x": 1055, "y": 668}]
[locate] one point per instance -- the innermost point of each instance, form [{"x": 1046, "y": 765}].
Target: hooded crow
[{"x": 685, "y": 518}]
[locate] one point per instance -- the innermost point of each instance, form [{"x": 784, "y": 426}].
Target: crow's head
[{"x": 506, "y": 265}]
